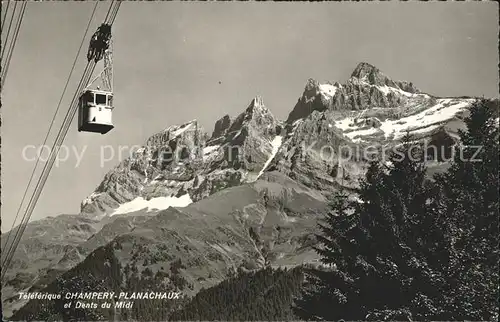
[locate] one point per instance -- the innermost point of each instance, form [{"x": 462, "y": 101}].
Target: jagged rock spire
[
  {"x": 364, "y": 70},
  {"x": 371, "y": 74},
  {"x": 258, "y": 102}
]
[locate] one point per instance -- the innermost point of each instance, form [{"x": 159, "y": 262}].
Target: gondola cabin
[{"x": 95, "y": 111}]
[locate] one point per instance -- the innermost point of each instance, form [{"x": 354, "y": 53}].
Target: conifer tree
[
  {"x": 380, "y": 248},
  {"x": 472, "y": 202}
]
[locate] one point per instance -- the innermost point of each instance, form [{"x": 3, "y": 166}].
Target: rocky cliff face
[
  {"x": 367, "y": 88},
  {"x": 246, "y": 195},
  {"x": 185, "y": 161},
  {"x": 332, "y": 126},
  {"x": 318, "y": 144}
]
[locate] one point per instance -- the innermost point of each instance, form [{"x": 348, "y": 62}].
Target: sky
[{"x": 174, "y": 62}]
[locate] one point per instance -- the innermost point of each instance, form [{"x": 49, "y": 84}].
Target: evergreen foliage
[
  {"x": 412, "y": 249},
  {"x": 266, "y": 294}
]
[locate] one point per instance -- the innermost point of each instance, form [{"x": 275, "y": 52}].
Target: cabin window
[
  {"x": 88, "y": 97},
  {"x": 110, "y": 100},
  {"x": 100, "y": 99}
]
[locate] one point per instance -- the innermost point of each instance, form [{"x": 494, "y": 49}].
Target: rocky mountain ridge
[
  {"x": 184, "y": 160},
  {"x": 247, "y": 195}
]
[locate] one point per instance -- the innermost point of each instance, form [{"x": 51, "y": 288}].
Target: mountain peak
[
  {"x": 364, "y": 70},
  {"x": 311, "y": 84},
  {"x": 257, "y": 102},
  {"x": 256, "y": 107},
  {"x": 372, "y": 75},
  {"x": 256, "y": 113}
]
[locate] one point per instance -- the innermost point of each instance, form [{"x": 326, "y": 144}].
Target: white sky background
[{"x": 170, "y": 57}]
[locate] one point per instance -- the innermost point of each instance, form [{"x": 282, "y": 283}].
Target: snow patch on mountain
[
  {"x": 158, "y": 203},
  {"x": 276, "y": 144},
  {"x": 90, "y": 198},
  {"x": 177, "y": 130},
  {"x": 364, "y": 132},
  {"x": 237, "y": 134},
  {"x": 156, "y": 179},
  {"x": 327, "y": 90},
  {"x": 386, "y": 90},
  {"x": 146, "y": 174},
  {"x": 424, "y": 121},
  {"x": 444, "y": 110},
  {"x": 211, "y": 152},
  {"x": 209, "y": 149}
]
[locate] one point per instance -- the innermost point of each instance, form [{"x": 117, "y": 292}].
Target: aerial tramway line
[
  {"x": 9, "y": 38},
  {"x": 94, "y": 104}
]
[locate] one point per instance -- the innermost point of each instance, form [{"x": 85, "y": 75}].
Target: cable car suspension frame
[{"x": 106, "y": 74}]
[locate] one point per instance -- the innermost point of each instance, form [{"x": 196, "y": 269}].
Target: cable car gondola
[
  {"x": 95, "y": 105},
  {"x": 95, "y": 111}
]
